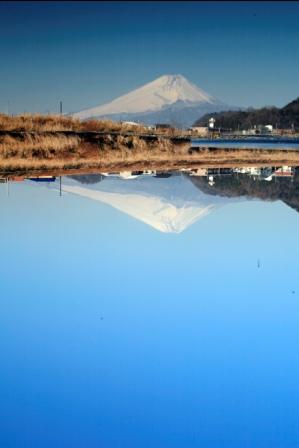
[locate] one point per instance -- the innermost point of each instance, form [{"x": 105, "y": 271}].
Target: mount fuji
[
  {"x": 169, "y": 205},
  {"x": 170, "y": 99}
]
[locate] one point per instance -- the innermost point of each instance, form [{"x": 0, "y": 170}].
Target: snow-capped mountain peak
[
  {"x": 169, "y": 98},
  {"x": 169, "y": 89},
  {"x": 155, "y": 95}
]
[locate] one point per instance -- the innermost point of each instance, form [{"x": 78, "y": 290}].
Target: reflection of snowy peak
[
  {"x": 169, "y": 205},
  {"x": 155, "y": 212},
  {"x": 169, "y": 98}
]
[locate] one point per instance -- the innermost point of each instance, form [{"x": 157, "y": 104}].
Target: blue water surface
[
  {"x": 253, "y": 142},
  {"x": 114, "y": 334}
]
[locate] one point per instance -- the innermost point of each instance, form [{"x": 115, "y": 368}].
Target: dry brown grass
[
  {"x": 36, "y": 146},
  {"x": 111, "y": 126},
  {"x": 57, "y": 123},
  {"x": 56, "y": 151},
  {"x": 38, "y": 123}
]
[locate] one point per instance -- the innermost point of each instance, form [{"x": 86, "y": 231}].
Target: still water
[
  {"x": 250, "y": 143},
  {"x": 150, "y": 311}
]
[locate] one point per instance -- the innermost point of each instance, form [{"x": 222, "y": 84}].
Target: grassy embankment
[
  {"x": 49, "y": 142},
  {"x": 34, "y": 142}
]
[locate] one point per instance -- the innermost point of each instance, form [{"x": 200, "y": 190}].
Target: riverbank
[
  {"x": 131, "y": 153},
  {"x": 38, "y": 144},
  {"x": 72, "y": 150}
]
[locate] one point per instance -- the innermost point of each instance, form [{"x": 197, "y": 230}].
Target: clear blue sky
[{"x": 244, "y": 53}]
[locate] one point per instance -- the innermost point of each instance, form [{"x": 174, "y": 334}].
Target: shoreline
[
  {"x": 204, "y": 158},
  {"x": 83, "y": 152}
]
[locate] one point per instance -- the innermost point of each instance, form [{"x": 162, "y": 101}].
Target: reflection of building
[
  {"x": 163, "y": 174},
  {"x": 113, "y": 174},
  {"x": 211, "y": 180},
  {"x": 17, "y": 179},
  {"x": 130, "y": 174},
  {"x": 219, "y": 171},
  {"x": 43, "y": 179},
  {"x": 199, "y": 172},
  {"x": 127, "y": 175},
  {"x": 254, "y": 171},
  {"x": 149, "y": 173},
  {"x": 144, "y": 173},
  {"x": 284, "y": 171},
  {"x": 250, "y": 170},
  {"x": 266, "y": 173}
]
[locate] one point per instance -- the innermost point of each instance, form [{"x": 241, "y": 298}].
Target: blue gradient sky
[{"x": 245, "y": 53}]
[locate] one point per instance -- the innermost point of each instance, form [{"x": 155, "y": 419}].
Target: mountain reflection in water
[{"x": 171, "y": 202}]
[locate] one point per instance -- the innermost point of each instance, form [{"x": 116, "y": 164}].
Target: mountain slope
[{"x": 169, "y": 99}]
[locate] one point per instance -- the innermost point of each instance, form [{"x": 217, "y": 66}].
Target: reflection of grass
[
  {"x": 240, "y": 157},
  {"x": 126, "y": 153}
]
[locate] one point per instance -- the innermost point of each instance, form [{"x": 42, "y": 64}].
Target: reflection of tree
[
  {"x": 235, "y": 185},
  {"x": 87, "y": 178}
]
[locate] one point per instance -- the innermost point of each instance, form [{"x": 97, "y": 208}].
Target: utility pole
[
  {"x": 60, "y": 107},
  {"x": 60, "y": 191}
]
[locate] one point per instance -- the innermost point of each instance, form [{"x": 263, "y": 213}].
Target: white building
[
  {"x": 131, "y": 123},
  {"x": 211, "y": 123},
  {"x": 269, "y": 128}
]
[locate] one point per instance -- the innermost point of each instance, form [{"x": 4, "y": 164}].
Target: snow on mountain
[
  {"x": 168, "y": 205},
  {"x": 165, "y": 99}
]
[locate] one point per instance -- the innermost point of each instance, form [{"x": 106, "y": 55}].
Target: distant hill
[{"x": 283, "y": 118}]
